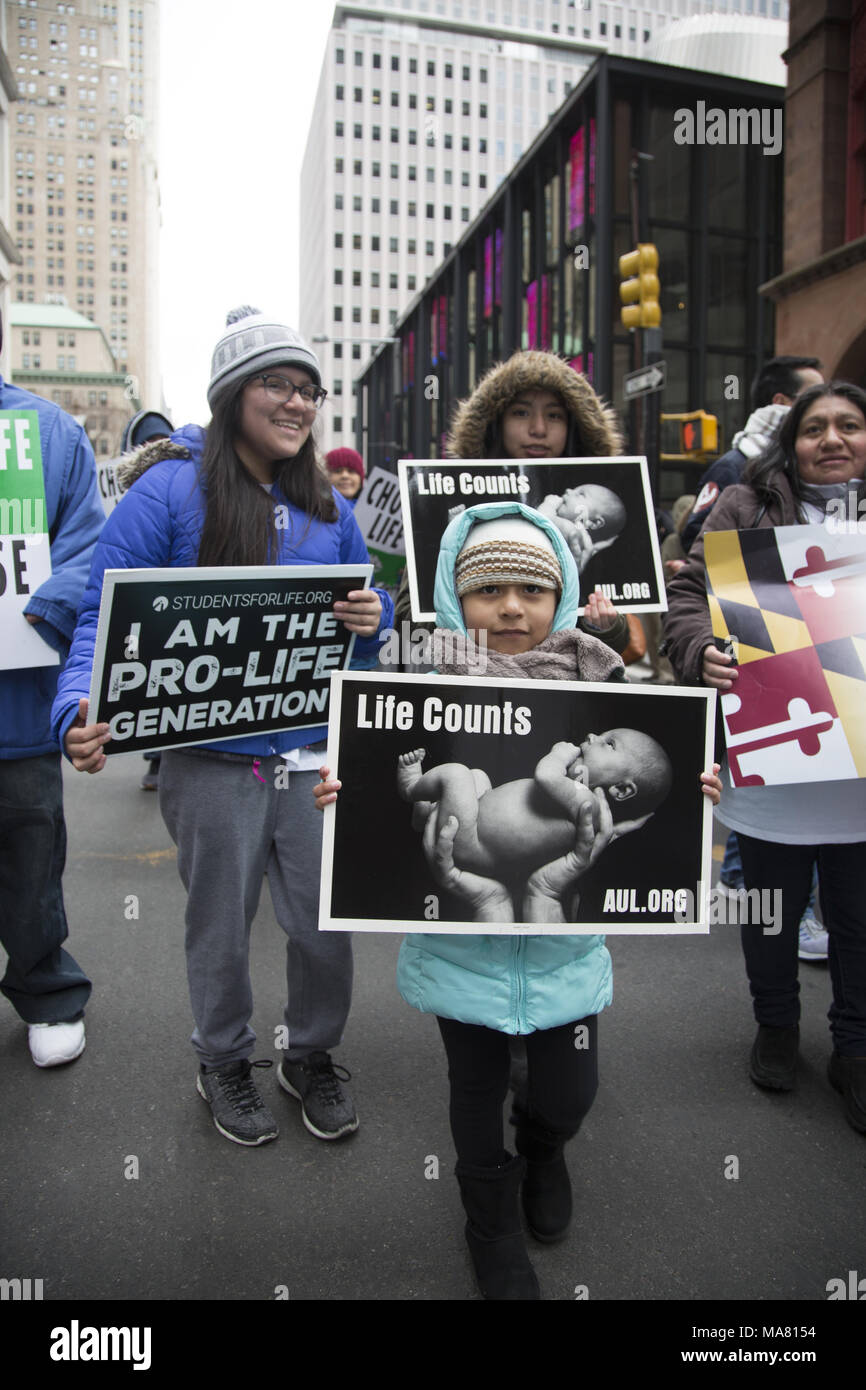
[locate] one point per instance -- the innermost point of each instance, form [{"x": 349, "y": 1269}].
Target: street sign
[{"x": 644, "y": 381}]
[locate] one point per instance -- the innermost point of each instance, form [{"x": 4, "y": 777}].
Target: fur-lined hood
[
  {"x": 533, "y": 371},
  {"x": 184, "y": 444}
]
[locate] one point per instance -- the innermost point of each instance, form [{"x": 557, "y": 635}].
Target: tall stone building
[{"x": 84, "y": 197}]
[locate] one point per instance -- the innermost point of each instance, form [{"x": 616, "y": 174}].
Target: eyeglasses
[{"x": 280, "y": 390}]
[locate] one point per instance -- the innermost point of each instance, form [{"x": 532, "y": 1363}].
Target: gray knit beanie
[{"x": 251, "y": 343}]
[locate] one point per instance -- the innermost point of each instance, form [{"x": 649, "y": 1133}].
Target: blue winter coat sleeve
[
  {"x": 135, "y": 536},
  {"x": 73, "y": 530}
]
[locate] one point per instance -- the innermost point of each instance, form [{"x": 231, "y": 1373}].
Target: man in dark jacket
[
  {"x": 774, "y": 390},
  {"x": 42, "y": 981}
]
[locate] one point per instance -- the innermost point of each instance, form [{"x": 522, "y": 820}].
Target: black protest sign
[
  {"x": 602, "y": 507},
  {"x": 186, "y": 656},
  {"x": 473, "y": 805}
]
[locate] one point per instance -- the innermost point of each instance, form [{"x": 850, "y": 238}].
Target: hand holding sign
[
  {"x": 84, "y": 742},
  {"x": 361, "y": 612}
]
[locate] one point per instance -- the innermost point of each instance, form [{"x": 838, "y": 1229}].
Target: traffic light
[
  {"x": 700, "y": 434},
  {"x": 639, "y": 290}
]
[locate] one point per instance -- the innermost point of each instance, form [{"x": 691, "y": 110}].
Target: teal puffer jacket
[{"x": 514, "y": 984}]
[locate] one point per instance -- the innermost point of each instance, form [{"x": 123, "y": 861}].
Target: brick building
[{"x": 820, "y": 297}]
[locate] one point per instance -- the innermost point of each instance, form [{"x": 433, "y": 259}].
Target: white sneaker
[
  {"x": 52, "y": 1044},
  {"x": 813, "y": 940}
]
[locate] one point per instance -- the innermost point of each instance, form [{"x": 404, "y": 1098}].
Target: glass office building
[{"x": 690, "y": 161}]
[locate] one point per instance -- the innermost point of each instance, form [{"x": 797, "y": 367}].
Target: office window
[
  {"x": 413, "y": 172},
  {"x": 447, "y": 211},
  {"x": 356, "y": 277},
  {"x": 356, "y": 204},
  {"x": 465, "y": 108},
  {"x": 482, "y": 75},
  {"x": 377, "y": 169},
  {"x": 338, "y": 202},
  {"x": 464, "y": 214},
  {"x": 357, "y": 167},
  {"x": 338, "y": 313},
  {"x": 377, "y": 60},
  {"x": 448, "y": 176},
  {"x": 413, "y": 64},
  {"x": 338, "y": 166},
  {"x": 356, "y": 351},
  {"x": 413, "y": 209},
  {"x": 395, "y": 207},
  {"x": 338, "y": 240},
  {"x": 338, "y": 129},
  {"x": 395, "y": 135},
  {"x": 449, "y": 70},
  {"x": 374, "y": 243},
  {"x": 374, "y": 315},
  {"x": 431, "y": 211},
  {"x": 338, "y": 277},
  {"x": 482, "y": 146},
  {"x": 428, "y": 248},
  {"x": 374, "y": 279},
  {"x": 356, "y": 241},
  {"x": 410, "y": 282},
  {"x": 412, "y": 246},
  {"x": 359, "y": 60},
  {"x": 358, "y": 130},
  {"x": 431, "y": 69},
  {"x": 393, "y": 244},
  {"x": 395, "y": 64},
  {"x": 482, "y": 111},
  {"x": 413, "y": 137},
  {"x": 448, "y": 142},
  {"x": 413, "y": 101},
  {"x": 395, "y": 171},
  {"x": 338, "y": 350},
  {"x": 377, "y": 132},
  {"x": 338, "y": 94},
  {"x": 466, "y": 74},
  {"x": 356, "y": 314},
  {"x": 359, "y": 94},
  {"x": 339, "y": 55},
  {"x": 392, "y": 281},
  {"x": 395, "y": 98}
]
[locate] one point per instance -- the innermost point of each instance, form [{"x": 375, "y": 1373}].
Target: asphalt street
[{"x": 691, "y": 1184}]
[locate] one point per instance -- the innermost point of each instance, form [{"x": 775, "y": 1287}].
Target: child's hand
[
  {"x": 326, "y": 790},
  {"x": 711, "y": 785},
  {"x": 599, "y": 612}
]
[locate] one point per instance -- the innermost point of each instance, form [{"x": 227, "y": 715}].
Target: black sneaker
[
  {"x": 773, "y": 1063},
  {"x": 238, "y": 1110},
  {"x": 327, "y": 1110}
]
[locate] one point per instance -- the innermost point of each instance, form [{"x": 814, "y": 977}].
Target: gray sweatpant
[{"x": 231, "y": 829}]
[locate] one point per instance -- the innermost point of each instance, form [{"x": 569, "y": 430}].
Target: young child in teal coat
[{"x": 506, "y": 570}]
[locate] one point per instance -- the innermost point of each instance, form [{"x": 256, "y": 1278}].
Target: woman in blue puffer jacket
[
  {"x": 210, "y": 497},
  {"x": 506, "y": 569}
]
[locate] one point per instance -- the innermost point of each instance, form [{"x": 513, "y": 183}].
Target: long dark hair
[
  {"x": 780, "y": 456},
  {"x": 240, "y": 521}
]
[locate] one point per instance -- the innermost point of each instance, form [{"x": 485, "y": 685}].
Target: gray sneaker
[
  {"x": 813, "y": 939},
  {"x": 238, "y": 1110},
  {"x": 326, "y": 1108}
]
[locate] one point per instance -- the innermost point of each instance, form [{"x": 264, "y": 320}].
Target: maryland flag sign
[{"x": 793, "y": 602}]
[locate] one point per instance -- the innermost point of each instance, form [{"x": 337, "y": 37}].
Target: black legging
[{"x": 562, "y": 1082}]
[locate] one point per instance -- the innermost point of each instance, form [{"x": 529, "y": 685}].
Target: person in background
[
  {"x": 817, "y": 460},
  {"x": 774, "y": 390},
  {"x": 147, "y": 425},
  {"x": 45, "y": 986},
  {"x": 346, "y": 468}
]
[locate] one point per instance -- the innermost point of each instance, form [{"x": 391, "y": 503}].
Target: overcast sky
[{"x": 239, "y": 79}]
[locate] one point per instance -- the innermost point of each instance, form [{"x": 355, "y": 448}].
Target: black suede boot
[
  {"x": 493, "y": 1232},
  {"x": 546, "y": 1190}
]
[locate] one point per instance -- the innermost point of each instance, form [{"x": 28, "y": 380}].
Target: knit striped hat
[
  {"x": 509, "y": 550},
  {"x": 252, "y": 343}
]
